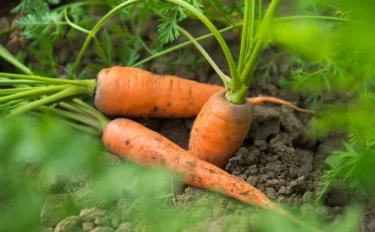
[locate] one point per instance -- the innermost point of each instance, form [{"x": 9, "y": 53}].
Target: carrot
[
  {"x": 134, "y": 92},
  {"x": 139, "y": 144},
  {"x": 219, "y": 129},
  {"x": 135, "y": 142}
]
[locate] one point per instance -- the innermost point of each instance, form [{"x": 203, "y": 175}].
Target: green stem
[
  {"x": 223, "y": 77},
  {"x": 85, "y": 31},
  {"x": 236, "y": 82},
  {"x": 48, "y": 80},
  {"x": 184, "y": 44},
  {"x": 6, "y": 55},
  {"x": 244, "y": 36},
  {"x": 84, "y": 129},
  {"x": 18, "y": 82},
  {"x": 13, "y": 60},
  {"x": 73, "y": 25},
  {"x": 33, "y": 93},
  {"x": 16, "y": 90},
  {"x": 250, "y": 40},
  {"x": 103, "y": 121},
  {"x": 69, "y": 106},
  {"x": 260, "y": 9},
  {"x": 70, "y": 115},
  {"x": 83, "y": 108},
  {"x": 68, "y": 92},
  {"x": 247, "y": 74},
  {"x": 95, "y": 29},
  {"x": 239, "y": 94},
  {"x": 101, "y": 22},
  {"x": 11, "y": 104}
]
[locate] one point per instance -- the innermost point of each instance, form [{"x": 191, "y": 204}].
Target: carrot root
[
  {"x": 269, "y": 99},
  {"x": 130, "y": 140},
  {"x": 219, "y": 129}
]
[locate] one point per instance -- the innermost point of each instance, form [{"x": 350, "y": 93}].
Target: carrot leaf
[{"x": 171, "y": 15}]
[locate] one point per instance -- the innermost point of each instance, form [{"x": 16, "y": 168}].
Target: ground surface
[{"x": 278, "y": 157}]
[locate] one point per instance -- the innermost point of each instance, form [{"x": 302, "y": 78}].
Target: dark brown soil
[{"x": 278, "y": 157}]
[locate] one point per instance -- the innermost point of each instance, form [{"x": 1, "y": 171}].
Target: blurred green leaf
[{"x": 311, "y": 39}]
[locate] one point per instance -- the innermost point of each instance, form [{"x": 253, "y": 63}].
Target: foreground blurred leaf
[
  {"x": 33, "y": 153},
  {"x": 310, "y": 39}
]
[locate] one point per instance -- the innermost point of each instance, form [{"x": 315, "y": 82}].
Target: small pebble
[
  {"x": 87, "y": 226},
  {"x": 271, "y": 193},
  {"x": 124, "y": 227},
  {"x": 102, "y": 229},
  {"x": 307, "y": 197},
  {"x": 261, "y": 145}
]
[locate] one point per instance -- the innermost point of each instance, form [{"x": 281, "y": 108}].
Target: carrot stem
[
  {"x": 250, "y": 40},
  {"x": 68, "y": 92},
  {"x": 73, "y": 25},
  {"x": 181, "y": 45},
  {"x": 9, "y": 105},
  {"x": 244, "y": 35},
  {"x": 224, "y": 78},
  {"x": 260, "y": 9},
  {"x": 85, "y": 129},
  {"x": 16, "y": 90},
  {"x": 6, "y": 55},
  {"x": 18, "y": 82},
  {"x": 102, "y": 120},
  {"x": 86, "y": 31},
  {"x": 33, "y": 93},
  {"x": 47, "y": 80},
  {"x": 236, "y": 81},
  {"x": 70, "y": 115},
  {"x": 247, "y": 74},
  {"x": 206, "y": 36},
  {"x": 69, "y": 106}
]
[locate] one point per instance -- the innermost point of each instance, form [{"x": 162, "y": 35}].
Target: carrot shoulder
[
  {"x": 219, "y": 129},
  {"x": 131, "y": 140},
  {"x": 133, "y": 92}
]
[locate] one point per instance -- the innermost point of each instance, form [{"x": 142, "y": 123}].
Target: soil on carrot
[{"x": 278, "y": 157}]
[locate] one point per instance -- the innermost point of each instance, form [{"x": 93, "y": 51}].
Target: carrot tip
[{"x": 269, "y": 99}]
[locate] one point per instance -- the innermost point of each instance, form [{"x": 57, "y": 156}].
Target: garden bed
[{"x": 279, "y": 156}]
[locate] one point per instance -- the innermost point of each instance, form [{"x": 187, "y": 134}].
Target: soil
[{"x": 278, "y": 157}]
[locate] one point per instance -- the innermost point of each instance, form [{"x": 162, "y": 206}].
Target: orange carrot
[
  {"x": 135, "y": 142},
  {"x": 133, "y": 92},
  {"x": 219, "y": 129},
  {"x": 139, "y": 144}
]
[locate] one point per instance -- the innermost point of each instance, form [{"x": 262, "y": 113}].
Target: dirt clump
[{"x": 272, "y": 161}]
